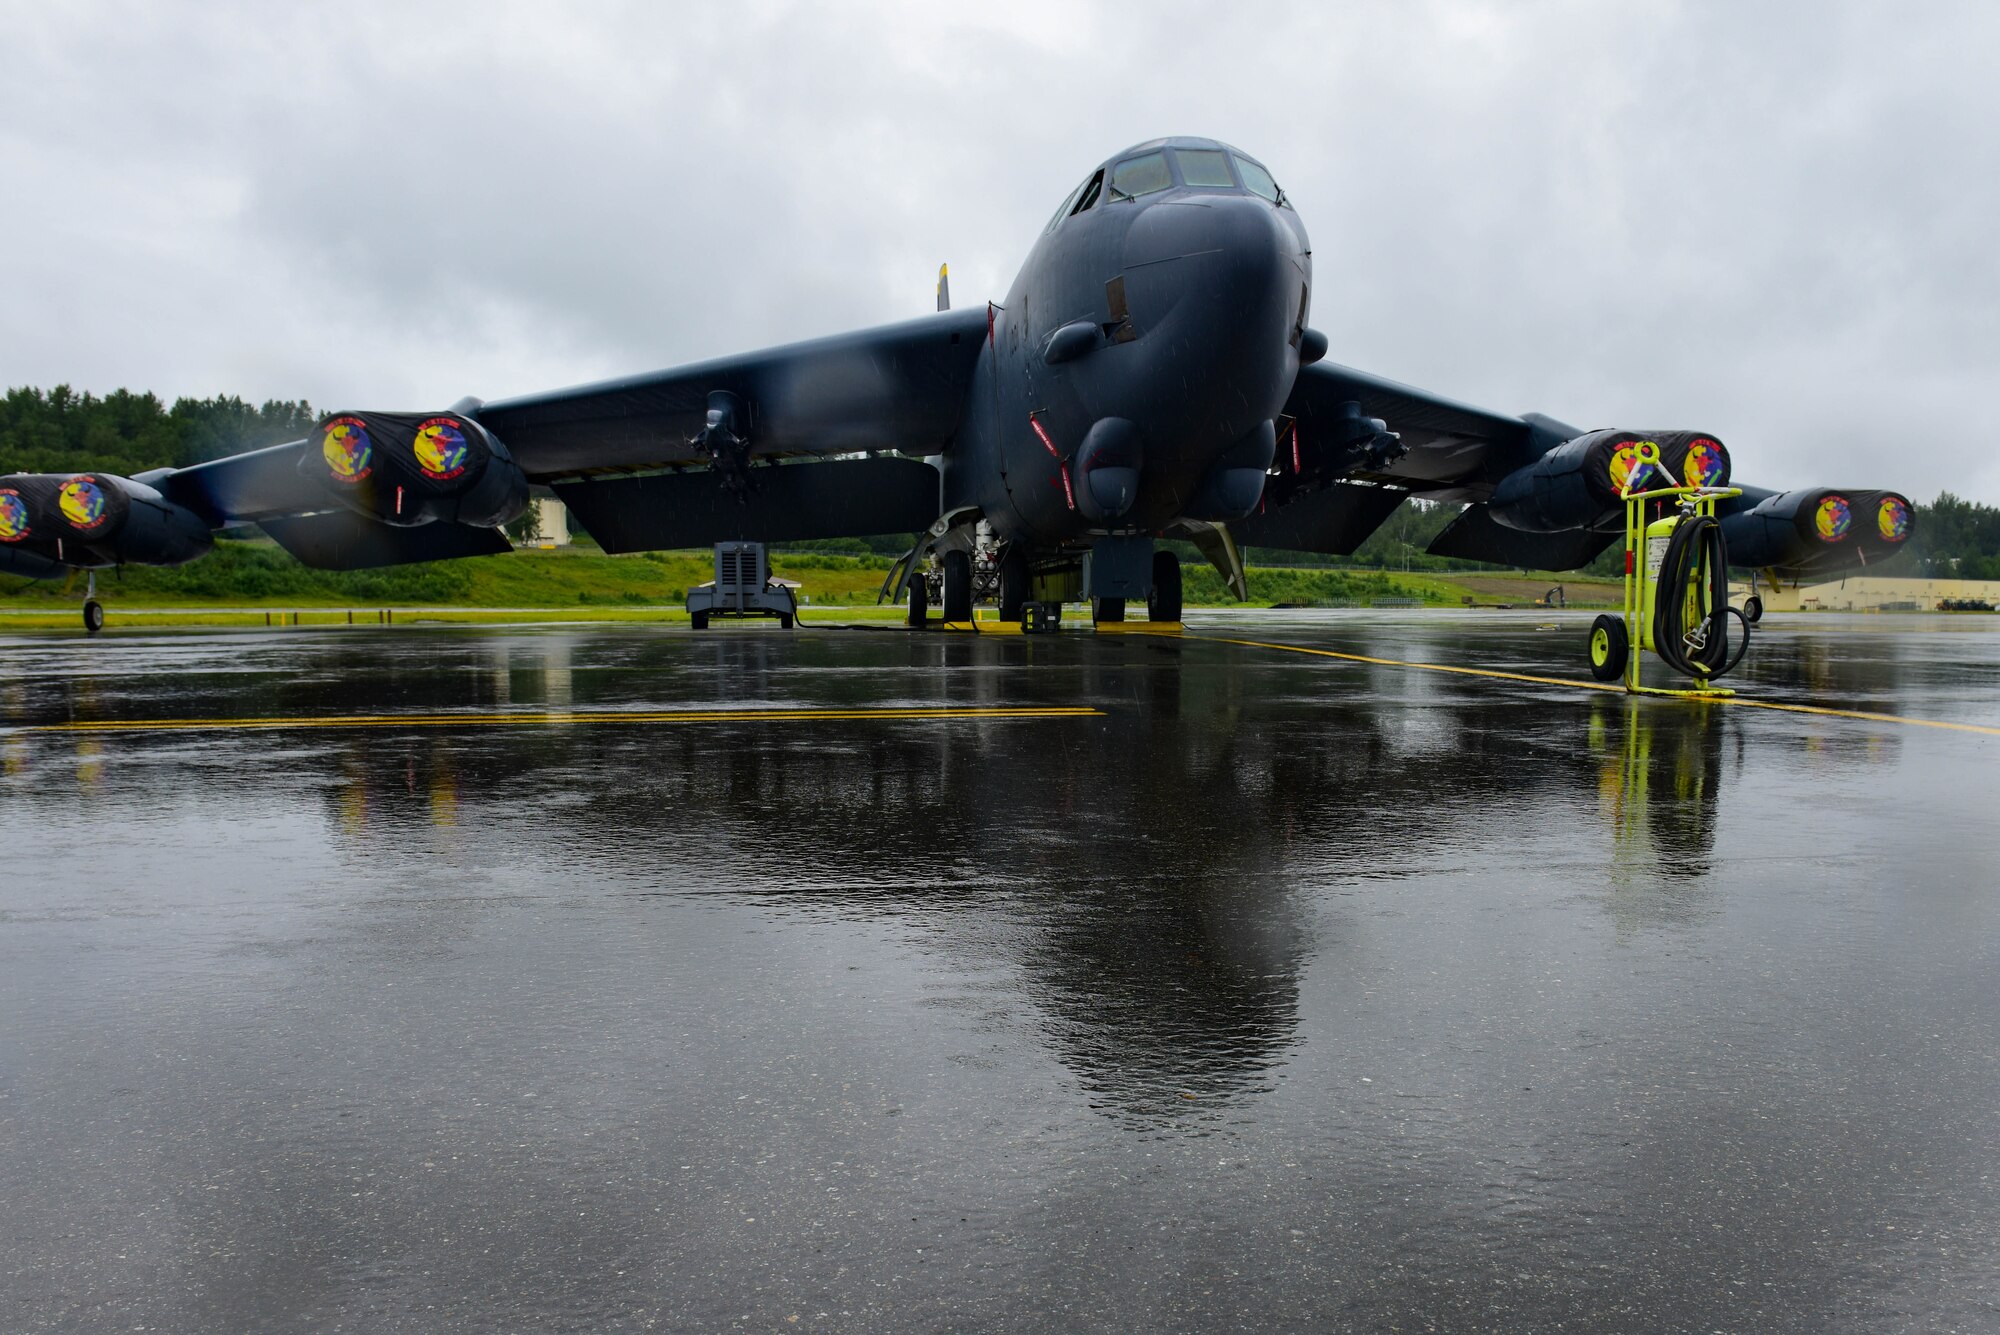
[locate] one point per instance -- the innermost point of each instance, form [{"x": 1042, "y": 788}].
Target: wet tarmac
[{"x": 1200, "y": 986}]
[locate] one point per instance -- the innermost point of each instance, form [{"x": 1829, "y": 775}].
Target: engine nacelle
[
  {"x": 1577, "y": 484},
  {"x": 1818, "y": 528},
  {"x": 97, "y": 519},
  {"x": 406, "y": 469}
]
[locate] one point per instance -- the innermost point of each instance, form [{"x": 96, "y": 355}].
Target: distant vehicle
[{"x": 1151, "y": 374}]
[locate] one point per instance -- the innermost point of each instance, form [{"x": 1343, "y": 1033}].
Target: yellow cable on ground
[{"x": 1864, "y": 715}]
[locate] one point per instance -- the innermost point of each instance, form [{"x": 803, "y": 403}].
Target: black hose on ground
[{"x": 1696, "y": 551}]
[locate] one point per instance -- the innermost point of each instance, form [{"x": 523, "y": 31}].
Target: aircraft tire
[
  {"x": 1164, "y": 603},
  {"x": 1753, "y": 610},
  {"x": 698, "y": 620},
  {"x": 1107, "y": 609},
  {"x": 920, "y": 601},
  {"x": 957, "y": 600},
  {"x": 1015, "y": 579},
  {"x": 93, "y": 616},
  {"x": 1610, "y": 648}
]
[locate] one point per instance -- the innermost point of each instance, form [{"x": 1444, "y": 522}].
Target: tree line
[{"x": 60, "y": 430}]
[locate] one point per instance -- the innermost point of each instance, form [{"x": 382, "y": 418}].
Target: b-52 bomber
[{"x": 1152, "y": 374}]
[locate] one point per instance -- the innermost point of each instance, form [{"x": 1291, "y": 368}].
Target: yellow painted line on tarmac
[
  {"x": 561, "y": 718},
  {"x": 1824, "y": 711}
]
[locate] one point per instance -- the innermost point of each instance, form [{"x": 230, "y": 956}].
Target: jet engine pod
[
  {"x": 406, "y": 469},
  {"x": 1884, "y": 520},
  {"x": 1819, "y": 528},
  {"x": 97, "y": 519},
  {"x": 1107, "y": 469},
  {"x": 1579, "y": 483}
]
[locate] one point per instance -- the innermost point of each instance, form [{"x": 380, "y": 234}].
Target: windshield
[
  {"x": 1140, "y": 176},
  {"x": 1258, "y": 181},
  {"x": 1205, "y": 167}
]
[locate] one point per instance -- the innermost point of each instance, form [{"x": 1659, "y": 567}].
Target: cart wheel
[
  {"x": 93, "y": 616},
  {"x": 1753, "y": 609},
  {"x": 784, "y": 622},
  {"x": 1609, "y": 648},
  {"x": 699, "y": 620}
]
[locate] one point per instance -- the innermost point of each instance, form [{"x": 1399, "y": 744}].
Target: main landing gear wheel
[
  {"x": 1753, "y": 610},
  {"x": 1107, "y": 609},
  {"x": 1609, "y": 648},
  {"x": 93, "y": 615},
  {"x": 1164, "y": 602},
  {"x": 957, "y": 586},
  {"x": 920, "y": 601},
  {"x": 1014, "y": 581}
]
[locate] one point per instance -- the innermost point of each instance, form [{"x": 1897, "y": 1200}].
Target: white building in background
[
  {"x": 551, "y": 522},
  {"x": 1872, "y": 593}
]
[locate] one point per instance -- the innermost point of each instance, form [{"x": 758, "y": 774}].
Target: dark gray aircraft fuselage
[{"x": 1121, "y": 404}]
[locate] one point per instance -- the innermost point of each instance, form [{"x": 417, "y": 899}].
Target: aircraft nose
[{"x": 1218, "y": 287}]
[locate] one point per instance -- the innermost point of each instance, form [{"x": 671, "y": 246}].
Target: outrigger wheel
[
  {"x": 93, "y": 615},
  {"x": 1609, "y": 648},
  {"x": 1753, "y": 610}
]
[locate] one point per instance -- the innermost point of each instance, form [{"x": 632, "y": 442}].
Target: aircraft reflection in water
[{"x": 1162, "y": 955}]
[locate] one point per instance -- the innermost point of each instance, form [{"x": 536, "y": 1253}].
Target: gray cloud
[{"x": 1771, "y": 221}]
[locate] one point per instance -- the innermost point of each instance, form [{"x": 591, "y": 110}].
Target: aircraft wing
[
  {"x": 1453, "y": 451},
  {"x": 899, "y": 387},
  {"x": 895, "y": 389},
  {"x": 1359, "y": 445}
]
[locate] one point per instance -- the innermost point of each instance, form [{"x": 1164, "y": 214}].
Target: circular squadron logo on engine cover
[
  {"x": 440, "y": 448},
  {"x": 82, "y": 503},
  {"x": 1892, "y": 519},
  {"x": 1628, "y": 470},
  {"x": 349, "y": 453},
  {"x": 13, "y": 517},
  {"x": 1833, "y": 518},
  {"x": 1705, "y": 466}
]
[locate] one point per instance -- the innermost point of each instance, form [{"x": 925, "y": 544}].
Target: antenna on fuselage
[{"x": 944, "y": 287}]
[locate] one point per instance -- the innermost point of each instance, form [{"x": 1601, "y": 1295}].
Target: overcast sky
[{"x": 1775, "y": 222}]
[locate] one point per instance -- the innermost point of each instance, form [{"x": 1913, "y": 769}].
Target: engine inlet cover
[{"x": 411, "y": 468}]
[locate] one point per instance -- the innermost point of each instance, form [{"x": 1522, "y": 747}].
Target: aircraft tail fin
[{"x": 944, "y": 287}]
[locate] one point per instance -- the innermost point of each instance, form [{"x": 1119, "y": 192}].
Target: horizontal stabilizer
[
  {"x": 339, "y": 540},
  {"x": 1335, "y": 520},
  {"x": 1476, "y": 536},
  {"x": 788, "y": 503}
]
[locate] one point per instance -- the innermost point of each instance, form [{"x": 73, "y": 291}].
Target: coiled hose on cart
[{"x": 1696, "y": 552}]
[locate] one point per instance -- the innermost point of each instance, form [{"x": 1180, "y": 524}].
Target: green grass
[{"x": 584, "y": 582}]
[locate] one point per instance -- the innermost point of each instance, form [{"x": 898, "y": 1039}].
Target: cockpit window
[
  {"x": 1204, "y": 166},
  {"x": 1258, "y": 181},
  {"x": 1091, "y": 188},
  {"x": 1062, "y": 211},
  {"x": 1140, "y": 176}
]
